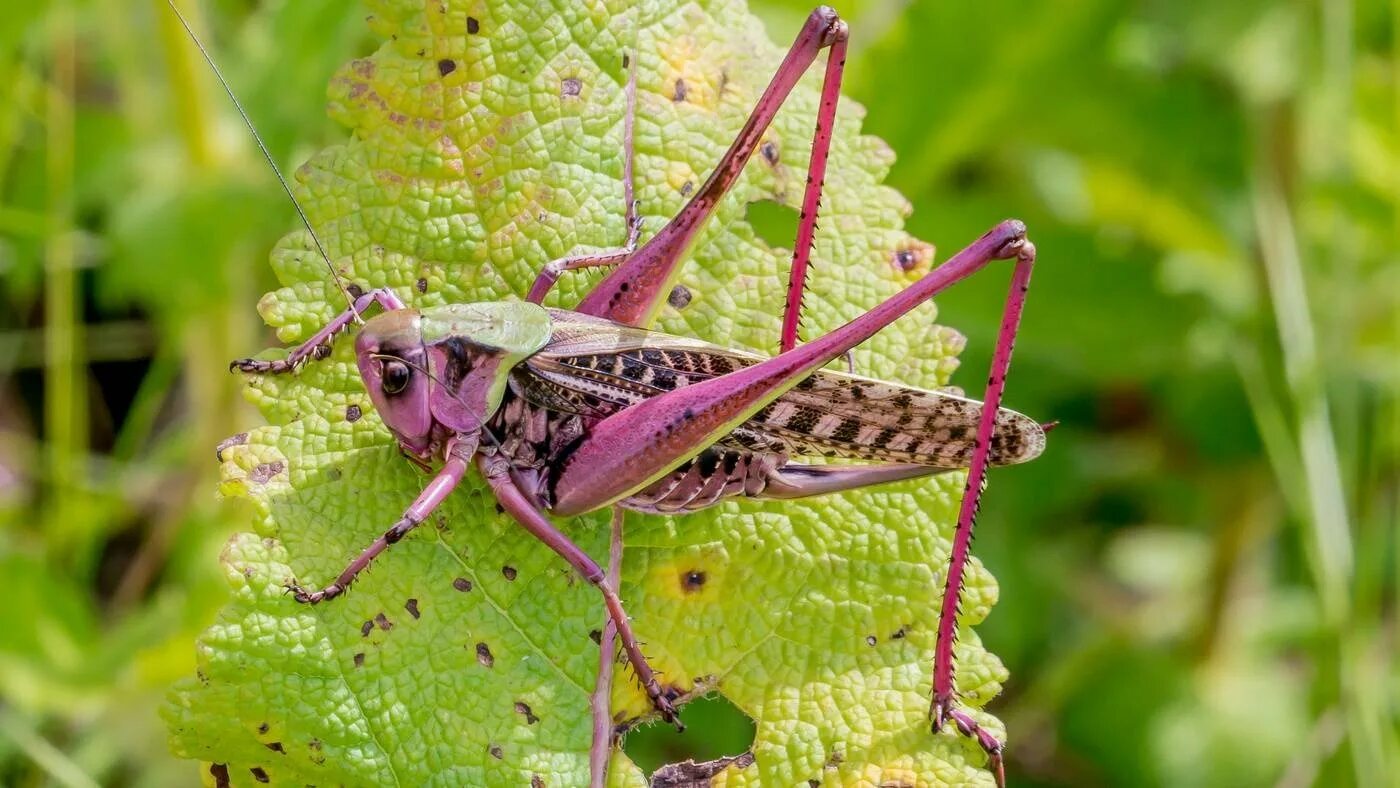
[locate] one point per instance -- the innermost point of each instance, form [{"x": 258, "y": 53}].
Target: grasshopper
[{"x": 564, "y": 412}]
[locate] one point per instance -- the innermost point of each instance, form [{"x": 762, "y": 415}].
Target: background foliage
[{"x": 1199, "y": 577}]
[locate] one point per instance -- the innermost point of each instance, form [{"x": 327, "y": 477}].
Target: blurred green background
[{"x": 1198, "y": 579}]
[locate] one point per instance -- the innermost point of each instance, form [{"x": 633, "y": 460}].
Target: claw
[
  {"x": 281, "y": 365},
  {"x": 938, "y": 713},
  {"x": 668, "y": 712},
  {"x": 663, "y": 702},
  {"x": 942, "y": 711},
  {"x": 300, "y": 594},
  {"x": 255, "y": 366}
]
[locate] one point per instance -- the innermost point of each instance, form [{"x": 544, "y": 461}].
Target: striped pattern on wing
[{"x": 595, "y": 367}]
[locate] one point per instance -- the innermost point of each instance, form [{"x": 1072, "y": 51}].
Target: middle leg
[
  {"x": 496, "y": 471},
  {"x": 603, "y": 729},
  {"x": 459, "y": 454}
]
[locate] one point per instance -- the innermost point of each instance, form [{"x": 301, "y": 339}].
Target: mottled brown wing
[{"x": 594, "y": 367}]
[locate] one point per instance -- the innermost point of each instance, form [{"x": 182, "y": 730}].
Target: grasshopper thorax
[{"x": 437, "y": 372}]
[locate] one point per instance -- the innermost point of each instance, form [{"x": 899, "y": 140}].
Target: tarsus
[{"x": 247, "y": 121}]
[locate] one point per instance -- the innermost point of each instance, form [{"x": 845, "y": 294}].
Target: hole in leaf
[
  {"x": 714, "y": 728},
  {"x": 773, "y": 222}
]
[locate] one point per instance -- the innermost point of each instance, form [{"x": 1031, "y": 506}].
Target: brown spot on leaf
[
  {"x": 264, "y": 472},
  {"x": 870, "y": 640},
  {"x": 523, "y": 709},
  {"x": 412, "y": 607},
  {"x": 446, "y": 66},
  {"x": 421, "y": 284},
  {"x": 276, "y": 746},
  {"x": 692, "y": 581},
  {"x": 914, "y": 257},
  {"x": 679, "y": 94},
  {"x": 687, "y": 188},
  {"x": 473, "y": 26},
  {"x": 383, "y": 622},
  {"x": 462, "y": 584},
  {"x": 680, "y": 297},
  {"x": 898, "y": 634},
  {"x": 366, "y": 628},
  {"x": 259, "y": 774},
  {"x": 496, "y": 752},
  {"x": 263, "y": 728},
  {"x": 596, "y": 636},
  {"x": 571, "y": 86},
  {"x": 228, "y": 443},
  {"x": 536, "y": 781},
  {"x": 353, "y": 413},
  {"x": 359, "y": 659},
  {"x": 509, "y": 572},
  {"x": 770, "y": 153},
  {"x": 483, "y": 655},
  {"x": 219, "y": 771}
]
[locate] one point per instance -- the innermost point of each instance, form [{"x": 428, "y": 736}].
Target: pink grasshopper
[{"x": 565, "y": 412}]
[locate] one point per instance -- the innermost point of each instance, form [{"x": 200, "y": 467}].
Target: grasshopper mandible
[{"x": 564, "y": 412}]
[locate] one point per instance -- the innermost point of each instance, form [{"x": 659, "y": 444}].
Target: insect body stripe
[{"x": 595, "y": 368}]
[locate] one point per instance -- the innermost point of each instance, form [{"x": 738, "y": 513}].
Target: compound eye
[{"x": 395, "y": 377}]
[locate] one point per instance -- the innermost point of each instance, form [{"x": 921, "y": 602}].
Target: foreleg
[
  {"x": 319, "y": 345},
  {"x": 442, "y": 485}
]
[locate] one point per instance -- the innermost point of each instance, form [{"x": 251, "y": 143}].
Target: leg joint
[
  {"x": 401, "y": 528},
  {"x": 832, "y": 27}
]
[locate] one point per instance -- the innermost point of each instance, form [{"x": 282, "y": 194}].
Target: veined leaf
[{"x": 486, "y": 140}]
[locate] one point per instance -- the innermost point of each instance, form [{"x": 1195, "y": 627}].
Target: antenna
[{"x": 247, "y": 121}]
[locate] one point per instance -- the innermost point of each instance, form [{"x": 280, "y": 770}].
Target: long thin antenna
[
  {"x": 629, "y": 122},
  {"x": 247, "y": 121}
]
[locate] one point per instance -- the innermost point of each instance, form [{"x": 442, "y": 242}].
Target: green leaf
[{"x": 474, "y": 159}]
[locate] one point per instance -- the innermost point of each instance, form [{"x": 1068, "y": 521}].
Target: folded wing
[{"x": 594, "y": 367}]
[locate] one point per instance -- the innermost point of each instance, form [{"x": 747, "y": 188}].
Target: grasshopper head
[
  {"x": 392, "y": 359},
  {"x": 443, "y": 371}
]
